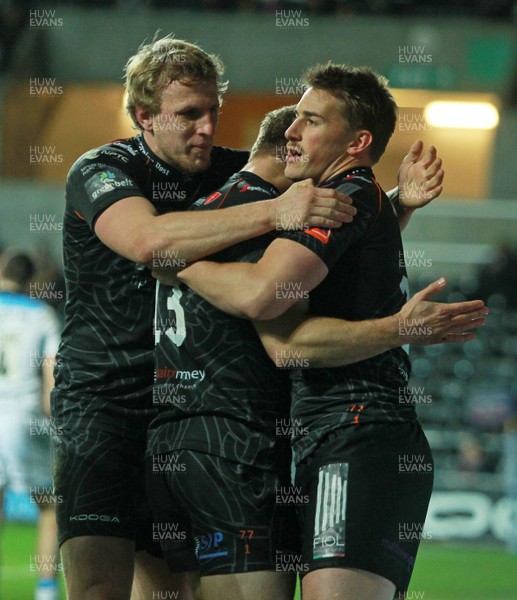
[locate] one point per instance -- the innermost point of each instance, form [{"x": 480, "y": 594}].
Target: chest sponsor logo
[{"x": 168, "y": 373}]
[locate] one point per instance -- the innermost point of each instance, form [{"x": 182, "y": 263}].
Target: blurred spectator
[
  {"x": 471, "y": 455},
  {"x": 48, "y": 282},
  {"x": 29, "y": 336},
  {"x": 500, "y": 277},
  {"x": 14, "y": 15}
]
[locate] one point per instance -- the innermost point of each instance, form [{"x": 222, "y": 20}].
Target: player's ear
[
  {"x": 361, "y": 142},
  {"x": 145, "y": 118}
]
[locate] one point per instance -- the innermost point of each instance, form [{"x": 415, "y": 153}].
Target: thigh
[
  {"x": 97, "y": 567},
  {"x": 172, "y": 528},
  {"x": 363, "y": 500},
  {"x": 346, "y": 584},
  {"x": 256, "y": 585},
  {"x": 100, "y": 487},
  {"x": 153, "y": 579}
]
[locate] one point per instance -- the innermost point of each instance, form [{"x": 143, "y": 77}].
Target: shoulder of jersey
[
  {"x": 117, "y": 153},
  {"x": 239, "y": 185},
  {"x": 249, "y": 187}
]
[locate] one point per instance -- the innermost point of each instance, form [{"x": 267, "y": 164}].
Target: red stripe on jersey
[
  {"x": 213, "y": 197},
  {"x": 323, "y": 235}
]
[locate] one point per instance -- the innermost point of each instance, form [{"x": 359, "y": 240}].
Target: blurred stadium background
[{"x": 61, "y": 94}]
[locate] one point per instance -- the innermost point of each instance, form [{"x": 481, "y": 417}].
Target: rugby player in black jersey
[
  {"x": 359, "y": 432},
  {"x": 115, "y": 222},
  {"x": 217, "y": 461}
]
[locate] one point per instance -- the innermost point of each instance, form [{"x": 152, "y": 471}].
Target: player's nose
[
  {"x": 207, "y": 124},
  {"x": 292, "y": 133}
]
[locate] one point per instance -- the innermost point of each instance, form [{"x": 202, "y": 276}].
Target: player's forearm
[
  {"x": 328, "y": 342},
  {"x": 175, "y": 239},
  {"x": 222, "y": 284},
  {"x": 403, "y": 213},
  {"x": 190, "y": 236},
  {"x": 240, "y": 289}
]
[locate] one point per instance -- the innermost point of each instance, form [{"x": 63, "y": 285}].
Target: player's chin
[
  {"x": 292, "y": 171},
  {"x": 199, "y": 163}
]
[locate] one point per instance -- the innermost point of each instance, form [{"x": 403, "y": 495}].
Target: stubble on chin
[
  {"x": 201, "y": 165},
  {"x": 293, "y": 173}
]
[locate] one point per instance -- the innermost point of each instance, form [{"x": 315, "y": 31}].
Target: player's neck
[{"x": 268, "y": 168}]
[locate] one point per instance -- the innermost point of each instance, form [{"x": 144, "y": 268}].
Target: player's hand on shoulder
[
  {"x": 303, "y": 205},
  {"x": 420, "y": 176}
]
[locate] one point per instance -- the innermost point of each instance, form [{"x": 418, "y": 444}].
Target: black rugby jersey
[
  {"x": 105, "y": 360},
  {"x": 216, "y": 389},
  {"x": 367, "y": 279}
]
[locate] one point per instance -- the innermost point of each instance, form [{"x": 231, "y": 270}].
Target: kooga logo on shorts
[{"x": 95, "y": 517}]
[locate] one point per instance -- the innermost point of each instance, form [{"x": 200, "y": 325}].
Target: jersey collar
[
  {"x": 354, "y": 172},
  {"x": 157, "y": 164}
]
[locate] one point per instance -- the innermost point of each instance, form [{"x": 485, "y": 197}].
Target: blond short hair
[{"x": 162, "y": 61}]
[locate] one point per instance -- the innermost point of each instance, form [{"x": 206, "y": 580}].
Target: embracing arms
[
  {"x": 328, "y": 342},
  {"x": 132, "y": 228}
]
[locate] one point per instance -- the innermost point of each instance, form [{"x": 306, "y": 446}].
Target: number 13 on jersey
[{"x": 173, "y": 326}]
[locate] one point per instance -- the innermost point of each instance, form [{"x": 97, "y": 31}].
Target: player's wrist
[
  {"x": 271, "y": 214},
  {"x": 396, "y": 332}
]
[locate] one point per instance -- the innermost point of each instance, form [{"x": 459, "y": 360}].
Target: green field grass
[
  {"x": 17, "y": 579},
  {"x": 442, "y": 572}
]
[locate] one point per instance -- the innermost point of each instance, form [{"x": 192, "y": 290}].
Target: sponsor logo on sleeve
[{"x": 106, "y": 181}]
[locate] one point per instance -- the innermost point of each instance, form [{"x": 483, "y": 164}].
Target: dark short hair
[
  {"x": 368, "y": 103},
  {"x": 17, "y": 267}
]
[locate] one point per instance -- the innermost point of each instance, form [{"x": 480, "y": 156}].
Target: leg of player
[
  {"x": 258, "y": 585},
  {"x": 98, "y": 567},
  {"x": 47, "y": 553},
  {"x": 239, "y": 526},
  {"x": 101, "y": 568},
  {"x": 363, "y": 521},
  {"x": 346, "y": 584},
  {"x": 153, "y": 579}
]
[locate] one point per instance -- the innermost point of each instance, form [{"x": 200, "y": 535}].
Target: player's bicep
[{"x": 123, "y": 227}]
